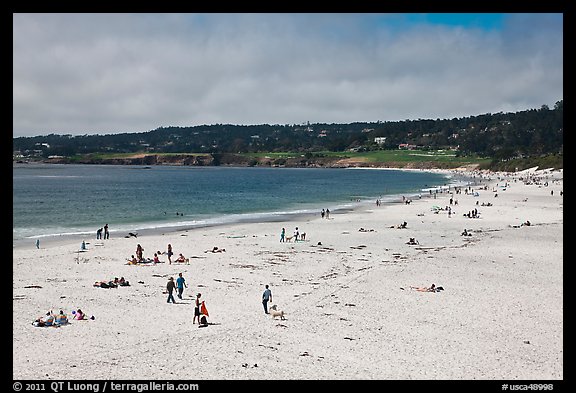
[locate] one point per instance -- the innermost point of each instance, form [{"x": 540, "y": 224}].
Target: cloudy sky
[{"x": 111, "y": 73}]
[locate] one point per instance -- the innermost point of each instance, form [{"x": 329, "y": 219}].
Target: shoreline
[
  {"x": 346, "y": 291},
  {"x": 454, "y": 177}
]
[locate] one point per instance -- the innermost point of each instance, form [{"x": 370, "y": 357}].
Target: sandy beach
[{"x": 350, "y": 311}]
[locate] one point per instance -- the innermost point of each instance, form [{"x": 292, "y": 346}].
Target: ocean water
[{"x": 68, "y": 200}]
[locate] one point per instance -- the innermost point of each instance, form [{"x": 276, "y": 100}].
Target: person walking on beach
[
  {"x": 38, "y": 243},
  {"x": 170, "y": 287},
  {"x": 170, "y": 253},
  {"x": 266, "y": 297},
  {"x": 180, "y": 283},
  {"x": 106, "y": 233},
  {"x": 283, "y": 235}
]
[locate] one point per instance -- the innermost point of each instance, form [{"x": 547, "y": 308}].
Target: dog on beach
[
  {"x": 289, "y": 238},
  {"x": 276, "y": 313}
]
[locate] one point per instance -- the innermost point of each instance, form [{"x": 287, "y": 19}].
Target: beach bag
[{"x": 203, "y": 320}]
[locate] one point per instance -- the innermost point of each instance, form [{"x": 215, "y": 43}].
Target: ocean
[{"x": 52, "y": 200}]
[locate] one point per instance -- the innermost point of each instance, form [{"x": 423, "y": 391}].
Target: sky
[{"x": 96, "y": 73}]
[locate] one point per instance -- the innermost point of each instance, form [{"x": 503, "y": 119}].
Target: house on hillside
[{"x": 380, "y": 140}]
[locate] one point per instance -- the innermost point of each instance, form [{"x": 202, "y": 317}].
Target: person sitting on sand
[
  {"x": 123, "y": 283},
  {"x": 156, "y": 259},
  {"x": 412, "y": 241},
  {"x": 44, "y": 320},
  {"x": 465, "y": 233},
  {"x": 48, "y": 319},
  {"x": 61, "y": 319},
  {"x": 181, "y": 258},
  {"x": 79, "y": 315},
  {"x": 132, "y": 260},
  {"x": 403, "y": 225}
]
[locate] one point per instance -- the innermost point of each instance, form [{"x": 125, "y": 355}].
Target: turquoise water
[{"x": 60, "y": 200}]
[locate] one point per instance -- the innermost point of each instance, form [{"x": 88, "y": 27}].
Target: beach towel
[{"x": 203, "y": 309}]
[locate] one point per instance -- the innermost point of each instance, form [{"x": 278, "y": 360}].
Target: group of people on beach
[
  {"x": 60, "y": 319},
  {"x": 106, "y": 233},
  {"x": 115, "y": 283},
  {"x": 138, "y": 258},
  {"x": 296, "y": 236},
  {"x": 200, "y": 310}
]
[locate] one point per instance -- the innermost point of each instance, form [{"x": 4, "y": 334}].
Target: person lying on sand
[
  {"x": 527, "y": 224},
  {"x": 216, "y": 249},
  {"x": 432, "y": 288},
  {"x": 105, "y": 284}
]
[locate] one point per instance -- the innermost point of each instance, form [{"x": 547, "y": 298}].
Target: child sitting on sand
[{"x": 80, "y": 316}]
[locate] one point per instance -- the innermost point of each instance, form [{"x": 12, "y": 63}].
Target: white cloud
[{"x": 99, "y": 73}]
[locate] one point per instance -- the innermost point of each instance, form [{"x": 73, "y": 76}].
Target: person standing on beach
[
  {"x": 99, "y": 233},
  {"x": 170, "y": 253},
  {"x": 38, "y": 243},
  {"x": 197, "y": 309},
  {"x": 282, "y": 235},
  {"x": 139, "y": 253},
  {"x": 170, "y": 287},
  {"x": 180, "y": 283},
  {"x": 266, "y": 297},
  {"x": 106, "y": 233}
]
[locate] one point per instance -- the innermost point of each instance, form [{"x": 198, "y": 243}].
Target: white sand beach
[{"x": 350, "y": 312}]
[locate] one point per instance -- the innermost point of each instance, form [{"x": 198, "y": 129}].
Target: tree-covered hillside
[{"x": 501, "y": 136}]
